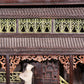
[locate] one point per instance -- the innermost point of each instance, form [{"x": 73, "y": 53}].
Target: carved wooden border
[
  {"x": 15, "y": 60},
  {"x": 66, "y": 63},
  {"x": 41, "y": 3},
  {"x": 38, "y": 12}
]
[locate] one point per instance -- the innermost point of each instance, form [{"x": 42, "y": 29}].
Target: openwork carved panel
[
  {"x": 65, "y": 61},
  {"x": 14, "y": 77},
  {"x": 15, "y": 60},
  {"x": 34, "y": 25},
  {"x": 77, "y": 59},
  {"x": 3, "y": 62},
  {"x": 40, "y": 58},
  {"x": 41, "y": 25},
  {"x": 69, "y": 26},
  {"x": 50, "y": 72},
  {"x": 7, "y": 25},
  {"x": 62, "y": 25}
]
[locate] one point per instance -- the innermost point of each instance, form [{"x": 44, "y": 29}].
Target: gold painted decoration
[
  {"x": 11, "y": 25},
  {"x": 34, "y": 25},
  {"x": 75, "y": 25},
  {"x": 68, "y": 26},
  {"x": 42, "y": 25},
  {"x": 3, "y": 25},
  {"x": 14, "y": 77},
  {"x": 7, "y": 25},
  {"x": 63, "y": 81}
]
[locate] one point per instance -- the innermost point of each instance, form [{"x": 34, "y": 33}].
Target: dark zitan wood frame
[
  {"x": 7, "y": 54},
  {"x": 71, "y": 53},
  {"x": 39, "y": 2}
]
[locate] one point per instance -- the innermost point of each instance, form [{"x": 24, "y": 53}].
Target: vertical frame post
[
  {"x": 71, "y": 69},
  {"x": 52, "y": 28},
  {"x": 17, "y": 29},
  {"x": 7, "y": 70}
]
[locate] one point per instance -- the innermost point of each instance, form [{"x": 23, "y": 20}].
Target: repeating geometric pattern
[
  {"x": 69, "y": 26},
  {"x": 14, "y": 77},
  {"x": 50, "y": 72},
  {"x": 7, "y": 25},
  {"x": 42, "y": 25},
  {"x": 35, "y": 25}
]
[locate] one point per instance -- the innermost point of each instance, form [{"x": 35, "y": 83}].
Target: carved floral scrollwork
[
  {"x": 15, "y": 60},
  {"x": 3, "y": 62},
  {"x": 39, "y": 58},
  {"x": 65, "y": 61},
  {"x": 77, "y": 59}
]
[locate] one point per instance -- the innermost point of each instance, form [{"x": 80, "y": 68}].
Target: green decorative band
[
  {"x": 42, "y": 25},
  {"x": 35, "y": 25},
  {"x": 62, "y": 81},
  {"x": 7, "y": 25},
  {"x": 69, "y": 26},
  {"x": 14, "y": 77}
]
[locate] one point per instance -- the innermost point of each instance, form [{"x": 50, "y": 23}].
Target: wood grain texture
[
  {"x": 7, "y": 70},
  {"x": 40, "y": 2},
  {"x": 45, "y": 44},
  {"x": 71, "y": 12},
  {"x": 71, "y": 69}
]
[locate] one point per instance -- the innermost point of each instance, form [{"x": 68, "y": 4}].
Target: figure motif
[{"x": 27, "y": 74}]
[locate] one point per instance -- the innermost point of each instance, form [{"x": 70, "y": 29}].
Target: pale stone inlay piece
[{"x": 27, "y": 74}]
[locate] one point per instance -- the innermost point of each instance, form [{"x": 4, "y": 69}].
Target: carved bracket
[
  {"x": 77, "y": 59},
  {"x": 15, "y": 60},
  {"x": 65, "y": 61}
]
